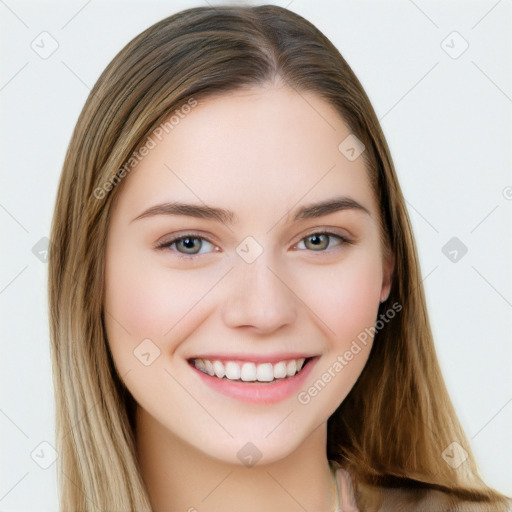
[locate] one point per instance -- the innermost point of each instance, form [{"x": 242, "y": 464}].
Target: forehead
[{"x": 262, "y": 150}]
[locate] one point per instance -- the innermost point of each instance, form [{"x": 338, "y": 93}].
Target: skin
[{"x": 261, "y": 153}]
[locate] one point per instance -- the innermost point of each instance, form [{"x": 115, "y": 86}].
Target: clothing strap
[
  {"x": 345, "y": 499},
  {"x": 336, "y": 488}
]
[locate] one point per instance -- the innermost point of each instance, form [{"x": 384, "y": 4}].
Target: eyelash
[{"x": 167, "y": 244}]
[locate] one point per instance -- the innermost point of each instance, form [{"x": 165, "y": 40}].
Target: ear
[{"x": 388, "y": 267}]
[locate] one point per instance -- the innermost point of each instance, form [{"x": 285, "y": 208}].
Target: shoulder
[{"x": 365, "y": 498}]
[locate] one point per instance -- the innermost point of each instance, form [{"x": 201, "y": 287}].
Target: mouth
[
  {"x": 260, "y": 381},
  {"x": 251, "y": 372}
]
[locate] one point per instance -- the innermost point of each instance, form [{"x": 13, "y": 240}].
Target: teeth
[
  {"x": 209, "y": 367},
  {"x": 250, "y": 372},
  {"x": 291, "y": 368},
  {"x": 280, "y": 370},
  {"x": 265, "y": 372},
  {"x": 219, "y": 369},
  {"x": 232, "y": 370}
]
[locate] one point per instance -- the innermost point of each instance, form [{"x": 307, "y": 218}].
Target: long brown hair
[{"x": 394, "y": 425}]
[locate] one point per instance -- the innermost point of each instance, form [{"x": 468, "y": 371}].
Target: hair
[{"x": 391, "y": 429}]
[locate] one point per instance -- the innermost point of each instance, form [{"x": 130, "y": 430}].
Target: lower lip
[{"x": 257, "y": 392}]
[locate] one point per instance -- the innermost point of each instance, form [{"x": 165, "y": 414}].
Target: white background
[{"x": 448, "y": 124}]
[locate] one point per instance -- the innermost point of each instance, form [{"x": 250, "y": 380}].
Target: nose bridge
[{"x": 257, "y": 296}]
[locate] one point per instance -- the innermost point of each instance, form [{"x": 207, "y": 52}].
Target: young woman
[{"x": 238, "y": 321}]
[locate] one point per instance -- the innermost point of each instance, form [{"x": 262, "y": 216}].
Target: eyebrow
[{"x": 310, "y": 211}]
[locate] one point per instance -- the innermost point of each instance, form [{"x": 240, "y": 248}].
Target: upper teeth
[{"x": 264, "y": 372}]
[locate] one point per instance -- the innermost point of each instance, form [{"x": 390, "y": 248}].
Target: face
[{"x": 254, "y": 277}]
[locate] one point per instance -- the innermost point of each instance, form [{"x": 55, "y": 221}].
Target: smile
[
  {"x": 248, "y": 371},
  {"x": 261, "y": 382}
]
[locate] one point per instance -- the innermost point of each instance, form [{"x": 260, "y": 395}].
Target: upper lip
[{"x": 253, "y": 358}]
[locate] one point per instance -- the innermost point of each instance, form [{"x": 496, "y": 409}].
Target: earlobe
[{"x": 387, "y": 277}]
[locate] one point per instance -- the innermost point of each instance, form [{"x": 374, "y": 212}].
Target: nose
[{"x": 258, "y": 298}]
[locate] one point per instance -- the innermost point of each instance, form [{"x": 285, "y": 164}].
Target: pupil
[
  {"x": 318, "y": 241},
  {"x": 188, "y": 243}
]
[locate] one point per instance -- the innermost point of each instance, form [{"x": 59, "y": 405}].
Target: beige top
[
  {"x": 347, "y": 501},
  {"x": 403, "y": 499}
]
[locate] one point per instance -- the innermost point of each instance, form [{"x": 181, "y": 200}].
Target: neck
[{"x": 180, "y": 477}]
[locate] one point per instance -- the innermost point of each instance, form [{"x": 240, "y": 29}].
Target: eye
[
  {"x": 320, "y": 241},
  {"x": 190, "y": 245},
  {"x": 187, "y": 245}
]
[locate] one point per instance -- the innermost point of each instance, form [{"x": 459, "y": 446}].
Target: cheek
[
  {"x": 147, "y": 300},
  {"x": 346, "y": 297},
  {"x": 347, "y": 300}
]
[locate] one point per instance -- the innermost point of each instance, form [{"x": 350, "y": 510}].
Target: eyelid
[
  {"x": 343, "y": 240},
  {"x": 325, "y": 230},
  {"x": 170, "y": 239},
  {"x": 165, "y": 243}
]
